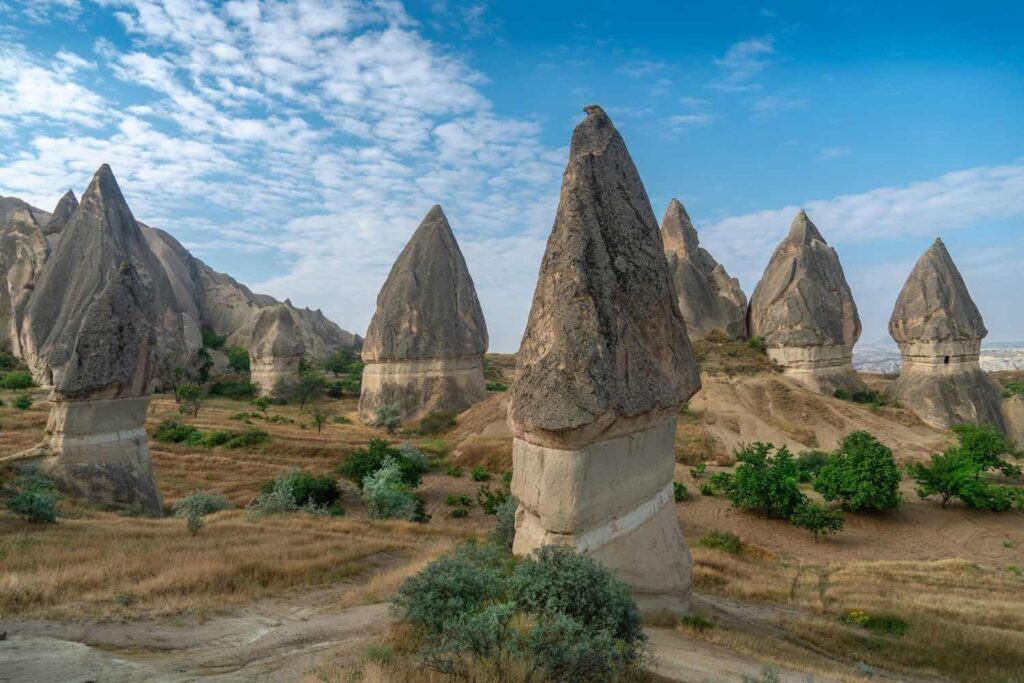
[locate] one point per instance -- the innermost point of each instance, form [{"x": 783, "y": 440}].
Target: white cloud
[
  {"x": 833, "y": 153},
  {"x": 31, "y": 90},
  {"x": 773, "y": 105},
  {"x": 641, "y": 68},
  {"x": 742, "y": 63},
  {"x": 681, "y": 122}
]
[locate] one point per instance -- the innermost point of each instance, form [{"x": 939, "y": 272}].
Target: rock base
[
  {"x": 613, "y": 500},
  {"x": 1013, "y": 418},
  {"x": 266, "y": 373},
  {"x": 945, "y": 385},
  {"x": 420, "y": 387},
  {"x": 822, "y": 369},
  {"x": 98, "y": 450}
]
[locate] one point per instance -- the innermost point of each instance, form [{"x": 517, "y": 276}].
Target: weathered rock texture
[
  {"x": 804, "y": 311},
  {"x": 604, "y": 365},
  {"x": 23, "y": 253},
  {"x": 425, "y": 344},
  {"x": 709, "y": 299},
  {"x": 61, "y": 213},
  {"x": 939, "y": 330},
  {"x": 276, "y": 349},
  {"x": 91, "y": 333}
]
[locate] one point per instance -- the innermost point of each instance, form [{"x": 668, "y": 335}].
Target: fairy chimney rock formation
[
  {"x": 276, "y": 350},
  {"x": 61, "y": 214},
  {"x": 425, "y": 344},
  {"x": 939, "y": 330},
  {"x": 804, "y": 311},
  {"x": 604, "y": 365},
  {"x": 91, "y": 334},
  {"x": 23, "y": 253},
  {"x": 709, "y": 299}
]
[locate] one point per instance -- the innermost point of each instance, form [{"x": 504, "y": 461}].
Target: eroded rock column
[
  {"x": 604, "y": 365},
  {"x": 276, "y": 349}
]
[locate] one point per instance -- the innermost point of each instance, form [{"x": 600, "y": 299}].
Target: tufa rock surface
[
  {"x": 804, "y": 311},
  {"x": 23, "y": 253},
  {"x": 92, "y": 334},
  {"x": 276, "y": 350},
  {"x": 425, "y": 344},
  {"x": 939, "y": 330},
  {"x": 604, "y": 365},
  {"x": 709, "y": 299},
  {"x": 61, "y": 214}
]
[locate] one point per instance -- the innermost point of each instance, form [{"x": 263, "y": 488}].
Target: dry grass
[
  {"x": 963, "y": 621},
  {"x": 718, "y": 356}
]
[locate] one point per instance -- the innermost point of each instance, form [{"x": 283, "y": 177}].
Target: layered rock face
[
  {"x": 23, "y": 253},
  {"x": 276, "y": 349},
  {"x": 709, "y": 299},
  {"x": 804, "y": 311},
  {"x": 91, "y": 333},
  {"x": 61, "y": 213},
  {"x": 425, "y": 344},
  {"x": 939, "y": 330},
  {"x": 604, "y": 365}
]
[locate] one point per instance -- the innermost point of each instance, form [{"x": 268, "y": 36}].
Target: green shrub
[
  {"x": 458, "y": 513},
  {"x": 719, "y": 483},
  {"x": 757, "y": 344},
  {"x": 276, "y": 500},
  {"x": 497, "y": 386},
  {"x": 363, "y": 462},
  {"x": 489, "y": 499},
  {"x": 388, "y": 417},
  {"x": 308, "y": 387},
  {"x": 679, "y": 492},
  {"x": 342, "y": 420},
  {"x": 884, "y": 623},
  {"x": 435, "y": 447},
  {"x": 462, "y": 500},
  {"x": 697, "y": 471},
  {"x": 381, "y": 654},
  {"x": 707, "y": 489},
  {"x": 170, "y": 431},
  {"x": 985, "y": 445},
  {"x": 1011, "y": 389},
  {"x": 722, "y": 540},
  {"x": 211, "y": 339},
  {"x": 307, "y": 489},
  {"x": 238, "y": 359},
  {"x": 17, "y": 380},
  {"x": 436, "y": 422},
  {"x": 861, "y": 474},
  {"x": 817, "y": 519},
  {"x": 955, "y": 474},
  {"x": 505, "y": 529},
  {"x": 7, "y": 361},
  {"x": 454, "y": 472},
  {"x": 22, "y": 401},
  {"x": 35, "y": 499},
  {"x": 386, "y": 494},
  {"x": 765, "y": 482},
  {"x": 866, "y": 397},
  {"x": 201, "y": 503},
  {"x": 479, "y": 474},
  {"x": 237, "y": 389},
  {"x": 809, "y": 463},
  {"x": 695, "y": 622},
  {"x": 343, "y": 361}
]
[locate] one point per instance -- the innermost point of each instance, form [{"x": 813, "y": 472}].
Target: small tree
[
  {"x": 22, "y": 401},
  {"x": 319, "y": 415},
  {"x": 238, "y": 359},
  {"x": 817, "y": 519},
  {"x": 985, "y": 445},
  {"x": 35, "y": 499},
  {"x": 386, "y": 495},
  {"x": 862, "y": 475},
  {"x": 310, "y": 387},
  {"x": 340, "y": 361},
  {"x": 954, "y": 474},
  {"x": 765, "y": 482},
  {"x": 190, "y": 399},
  {"x": 389, "y": 417},
  {"x": 262, "y": 403}
]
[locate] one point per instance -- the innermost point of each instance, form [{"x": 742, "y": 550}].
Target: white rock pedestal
[
  {"x": 614, "y": 501},
  {"x": 265, "y": 373},
  {"x": 98, "y": 449},
  {"x": 822, "y": 369},
  {"x": 420, "y": 386}
]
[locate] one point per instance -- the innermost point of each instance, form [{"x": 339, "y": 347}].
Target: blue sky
[{"x": 296, "y": 145}]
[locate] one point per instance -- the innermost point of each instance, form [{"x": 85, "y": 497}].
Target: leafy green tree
[
  {"x": 862, "y": 475},
  {"x": 985, "y": 445},
  {"x": 309, "y": 386},
  {"x": 343, "y": 361},
  {"x": 35, "y": 499},
  {"x": 817, "y": 519},
  {"x": 17, "y": 380},
  {"x": 22, "y": 401},
  {"x": 319, "y": 414},
  {"x": 765, "y": 482},
  {"x": 238, "y": 358},
  {"x": 363, "y": 462},
  {"x": 211, "y": 339},
  {"x": 262, "y": 403},
  {"x": 190, "y": 398},
  {"x": 954, "y": 475}
]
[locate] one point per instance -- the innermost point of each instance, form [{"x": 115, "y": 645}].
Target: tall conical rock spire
[
  {"x": 61, "y": 214},
  {"x": 604, "y": 365},
  {"x": 939, "y": 330},
  {"x": 276, "y": 349},
  {"x": 425, "y": 344},
  {"x": 804, "y": 311},
  {"x": 91, "y": 332},
  {"x": 708, "y": 298}
]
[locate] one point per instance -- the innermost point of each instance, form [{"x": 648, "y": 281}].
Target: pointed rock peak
[
  {"x": 803, "y": 230},
  {"x": 61, "y": 213},
  {"x": 677, "y": 231},
  {"x": 105, "y": 194},
  {"x": 68, "y": 203},
  {"x": 935, "y": 304},
  {"x": 434, "y": 224},
  {"x": 594, "y": 134}
]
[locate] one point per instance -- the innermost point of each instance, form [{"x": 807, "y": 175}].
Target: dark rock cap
[
  {"x": 428, "y": 306},
  {"x": 803, "y": 298},
  {"x": 92, "y": 317},
  {"x": 605, "y": 339},
  {"x": 62, "y": 213},
  {"x": 935, "y": 305}
]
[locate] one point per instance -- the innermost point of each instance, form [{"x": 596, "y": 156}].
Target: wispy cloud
[
  {"x": 773, "y": 105},
  {"x": 832, "y": 153},
  {"x": 641, "y": 68},
  {"x": 680, "y": 122},
  {"x": 742, "y": 63}
]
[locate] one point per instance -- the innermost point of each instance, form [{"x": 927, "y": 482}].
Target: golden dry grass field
[{"x": 954, "y": 578}]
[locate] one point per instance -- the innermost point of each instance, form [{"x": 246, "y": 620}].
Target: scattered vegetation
[
  {"x": 343, "y": 361},
  {"x": 34, "y": 498},
  {"x": 504, "y": 532},
  {"x": 766, "y": 482},
  {"x": 308, "y": 387},
  {"x": 190, "y": 398},
  {"x": 388, "y": 417},
  {"x": 236, "y": 389},
  {"x": 862, "y": 475},
  {"x": 722, "y": 540},
  {"x": 170, "y": 431},
  {"x": 679, "y": 492},
  {"x": 455, "y": 472},
  {"x": 818, "y": 519},
  {"x": 479, "y": 474},
  {"x": 386, "y": 494},
  {"x": 884, "y": 624},
  {"x": 437, "y": 422},
  {"x": 363, "y": 462},
  {"x": 460, "y": 500},
  {"x": 197, "y": 505},
  {"x": 238, "y": 358},
  {"x": 17, "y": 380},
  {"x": 497, "y": 386},
  {"x": 319, "y": 415},
  {"x": 697, "y": 471},
  {"x": 22, "y": 401},
  {"x": 868, "y": 397},
  {"x": 307, "y": 489},
  {"x": 212, "y": 340}
]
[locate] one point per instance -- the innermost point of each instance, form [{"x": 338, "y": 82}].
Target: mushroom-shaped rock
[
  {"x": 425, "y": 344},
  {"x": 604, "y": 365},
  {"x": 276, "y": 350},
  {"x": 939, "y": 330},
  {"x": 23, "y": 252},
  {"x": 61, "y": 214},
  {"x": 804, "y": 311},
  {"x": 709, "y": 299},
  {"x": 91, "y": 333}
]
